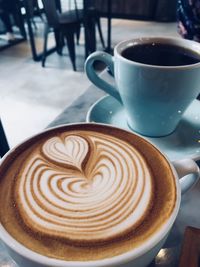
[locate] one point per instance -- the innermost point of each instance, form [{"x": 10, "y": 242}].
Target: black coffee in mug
[{"x": 161, "y": 54}]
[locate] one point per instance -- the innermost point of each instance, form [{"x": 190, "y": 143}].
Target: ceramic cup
[
  {"x": 154, "y": 97},
  {"x": 138, "y": 257}
]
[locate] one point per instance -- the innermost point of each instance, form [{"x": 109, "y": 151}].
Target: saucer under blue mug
[{"x": 183, "y": 142}]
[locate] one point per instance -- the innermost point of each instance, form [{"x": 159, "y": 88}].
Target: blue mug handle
[{"x": 94, "y": 78}]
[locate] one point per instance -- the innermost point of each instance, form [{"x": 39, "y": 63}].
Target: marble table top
[{"x": 189, "y": 214}]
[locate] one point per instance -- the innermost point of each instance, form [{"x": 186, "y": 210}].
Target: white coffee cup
[{"x": 186, "y": 173}]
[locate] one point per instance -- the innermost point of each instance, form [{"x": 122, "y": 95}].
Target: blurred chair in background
[
  {"x": 92, "y": 19},
  {"x": 34, "y": 10},
  {"x": 67, "y": 25}
]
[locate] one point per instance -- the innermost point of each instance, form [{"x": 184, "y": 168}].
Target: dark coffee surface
[{"x": 161, "y": 55}]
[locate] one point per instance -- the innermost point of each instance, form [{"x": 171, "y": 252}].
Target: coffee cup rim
[
  {"x": 187, "y": 44},
  {"x": 25, "y": 252}
]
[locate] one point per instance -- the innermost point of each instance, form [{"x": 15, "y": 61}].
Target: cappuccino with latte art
[{"x": 85, "y": 192}]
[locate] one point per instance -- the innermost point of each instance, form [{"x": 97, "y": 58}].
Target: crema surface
[{"x": 84, "y": 194}]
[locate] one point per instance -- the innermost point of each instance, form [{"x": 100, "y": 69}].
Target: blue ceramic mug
[{"x": 154, "y": 96}]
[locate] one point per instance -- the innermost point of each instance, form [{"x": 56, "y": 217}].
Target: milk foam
[{"x": 88, "y": 187}]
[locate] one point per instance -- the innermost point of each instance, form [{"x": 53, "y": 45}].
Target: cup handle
[
  {"x": 94, "y": 78},
  {"x": 188, "y": 172}
]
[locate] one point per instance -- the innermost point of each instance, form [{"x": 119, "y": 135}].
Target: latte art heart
[
  {"x": 71, "y": 151},
  {"x": 84, "y": 188}
]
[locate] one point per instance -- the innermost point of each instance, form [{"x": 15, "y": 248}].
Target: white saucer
[{"x": 183, "y": 142}]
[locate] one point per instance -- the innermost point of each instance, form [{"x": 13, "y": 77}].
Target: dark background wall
[{"x": 160, "y": 10}]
